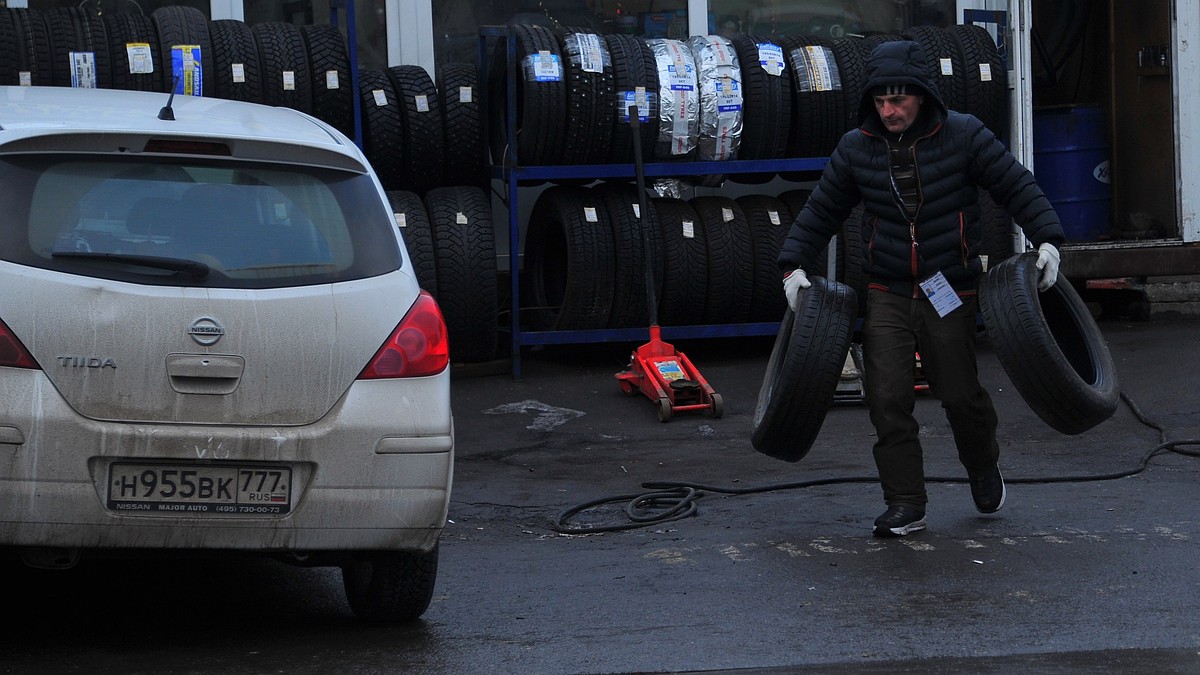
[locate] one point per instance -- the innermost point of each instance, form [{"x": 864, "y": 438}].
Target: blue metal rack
[{"x": 512, "y": 173}]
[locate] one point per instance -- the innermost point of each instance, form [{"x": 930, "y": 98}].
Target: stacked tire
[
  {"x": 430, "y": 137},
  {"x": 796, "y": 95},
  {"x": 424, "y": 138},
  {"x": 589, "y": 259}
]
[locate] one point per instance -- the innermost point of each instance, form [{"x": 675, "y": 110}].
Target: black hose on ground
[{"x": 674, "y": 500}]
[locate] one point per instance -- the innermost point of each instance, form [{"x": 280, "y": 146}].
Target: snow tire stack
[
  {"x": 424, "y": 138},
  {"x": 712, "y": 257}
]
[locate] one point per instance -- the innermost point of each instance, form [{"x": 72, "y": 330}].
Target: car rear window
[{"x": 194, "y": 223}]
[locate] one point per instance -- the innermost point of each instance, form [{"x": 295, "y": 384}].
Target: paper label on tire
[
  {"x": 83, "y": 69},
  {"x": 770, "y": 57},
  {"x": 141, "y": 60}
]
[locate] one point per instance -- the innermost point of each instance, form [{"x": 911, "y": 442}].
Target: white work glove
[
  {"x": 794, "y": 282},
  {"x": 1047, "y": 262}
]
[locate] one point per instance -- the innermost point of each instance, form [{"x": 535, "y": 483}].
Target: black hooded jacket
[{"x": 955, "y": 156}]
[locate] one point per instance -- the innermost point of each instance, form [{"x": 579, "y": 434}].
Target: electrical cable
[{"x": 674, "y": 500}]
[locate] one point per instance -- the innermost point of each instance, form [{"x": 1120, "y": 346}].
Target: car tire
[
  {"x": 180, "y": 25},
  {"x": 462, "y": 125},
  {"x": 768, "y": 222},
  {"x": 332, "y": 95},
  {"x": 941, "y": 47},
  {"x": 281, "y": 52},
  {"x": 803, "y": 370},
  {"x": 74, "y": 30},
  {"x": 464, "y": 247},
  {"x": 420, "y": 108},
  {"x": 390, "y": 586},
  {"x": 25, "y": 41},
  {"x": 233, "y": 45},
  {"x": 570, "y": 261},
  {"x": 413, "y": 222},
  {"x": 540, "y": 105},
  {"x": 730, "y": 259},
  {"x": 633, "y": 67},
  {"x": 1049, "y": 345},
  {"x": 984, "y": 78},
  {"x": 850, "y": 254},
  {"x": 685, "y": 262},
  {"x": 818, "y": 113},
  {"x": 589, "y": 97},
  {"x": 124, "y": 28},
  {"x": 630, "y": 305},
  {"x": 382, "y": 127}
]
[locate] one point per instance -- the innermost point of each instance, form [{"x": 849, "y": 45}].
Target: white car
[{"x": 212, "y": 338}]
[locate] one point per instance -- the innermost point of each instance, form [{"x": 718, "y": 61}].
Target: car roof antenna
[{"x": 167, "y": 113}]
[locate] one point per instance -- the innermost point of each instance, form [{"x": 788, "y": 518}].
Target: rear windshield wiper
[{"x": 196, "y": 270}]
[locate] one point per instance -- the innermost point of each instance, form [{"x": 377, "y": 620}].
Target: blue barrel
[{"x": 1071, "y": 162}]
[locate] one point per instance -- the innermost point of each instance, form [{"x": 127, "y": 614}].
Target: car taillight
[
  {"x": 12, "y": 352},
  {"x": 418, "y": 347}
]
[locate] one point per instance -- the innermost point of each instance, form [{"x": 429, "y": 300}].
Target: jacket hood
[{"x": 893, "y": 63}]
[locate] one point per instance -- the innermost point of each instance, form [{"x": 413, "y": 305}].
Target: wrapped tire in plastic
[
  {"x": 678, "y": 99},
  {"x": 719, "y": 78}
]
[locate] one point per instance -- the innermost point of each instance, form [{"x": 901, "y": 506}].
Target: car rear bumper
[{"x": 371, "y": 474}]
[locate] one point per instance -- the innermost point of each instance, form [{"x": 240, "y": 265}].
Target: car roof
[{"x": 33, "y": 118}]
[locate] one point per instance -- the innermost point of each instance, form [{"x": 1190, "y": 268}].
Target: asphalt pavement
[{"x": 1090, "y": 565}]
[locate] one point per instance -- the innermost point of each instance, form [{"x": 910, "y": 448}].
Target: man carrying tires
[{"x": 917, "y": 169}]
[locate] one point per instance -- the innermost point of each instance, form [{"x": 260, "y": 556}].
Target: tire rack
[{"x": 513, "y": 172}]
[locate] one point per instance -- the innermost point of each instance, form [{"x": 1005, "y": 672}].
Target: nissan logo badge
[{"x": 206, "y": 331}]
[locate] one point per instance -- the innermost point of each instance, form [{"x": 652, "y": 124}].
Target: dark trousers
[{"x": 895, "y": 329}]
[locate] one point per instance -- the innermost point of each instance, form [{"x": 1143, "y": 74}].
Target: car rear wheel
[{"x": 387, "y": 586}]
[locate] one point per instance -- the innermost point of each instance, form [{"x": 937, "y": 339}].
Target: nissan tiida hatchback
[{"x": 212, "y": 339}]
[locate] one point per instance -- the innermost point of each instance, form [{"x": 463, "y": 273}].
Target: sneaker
[
  {"x": 987, "y": 489},
  {"x": 899, "y": 520}
]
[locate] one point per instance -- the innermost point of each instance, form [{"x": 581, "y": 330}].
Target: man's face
[{"x": 898, "y": 111}]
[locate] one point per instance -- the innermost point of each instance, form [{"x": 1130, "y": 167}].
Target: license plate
[{"x": 191, "y": 489}]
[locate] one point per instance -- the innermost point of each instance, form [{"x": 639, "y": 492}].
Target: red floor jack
[{"x": 656, "y": 369}]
